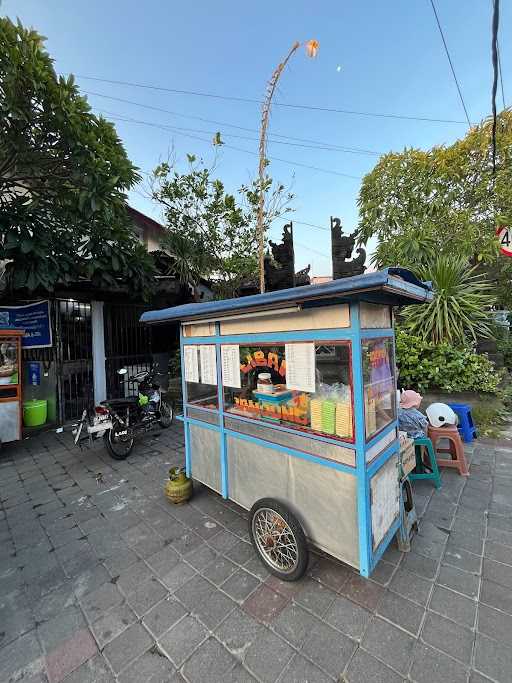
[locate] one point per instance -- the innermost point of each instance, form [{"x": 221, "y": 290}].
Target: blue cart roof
[{"x": 391, "y": 286}]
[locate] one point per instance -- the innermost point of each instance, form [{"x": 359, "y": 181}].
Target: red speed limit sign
[{"x": 505, "y": 239}]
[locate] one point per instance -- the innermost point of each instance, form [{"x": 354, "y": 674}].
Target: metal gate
[
  {"x": 127, "y": 345},
  {"x": 68, "y": 365},
  {"x": 73, "y": 331}
]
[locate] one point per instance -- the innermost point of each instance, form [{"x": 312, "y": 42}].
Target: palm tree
[{"x": 460, "y": 307}]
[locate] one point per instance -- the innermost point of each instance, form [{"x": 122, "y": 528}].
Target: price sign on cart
[{"x": 505, "y": 239}]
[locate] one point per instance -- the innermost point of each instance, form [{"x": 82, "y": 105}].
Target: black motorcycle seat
[{"x": 129, "y": 400}]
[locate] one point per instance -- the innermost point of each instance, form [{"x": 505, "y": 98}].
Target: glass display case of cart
[
  {"x": 10, "y": 384},
  {"x": 379, "y": 384},
  {"x": 9, "y": 365},
  {"x": 304, "y": 386},
  {"x": 201, "y": 376}
]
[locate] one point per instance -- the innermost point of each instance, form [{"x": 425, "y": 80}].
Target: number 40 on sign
[{"x": 505, "y": 240}]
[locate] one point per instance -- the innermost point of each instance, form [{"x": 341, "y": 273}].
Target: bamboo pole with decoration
[{"x": 311, "y": 49}]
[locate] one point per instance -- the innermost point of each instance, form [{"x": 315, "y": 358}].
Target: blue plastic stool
[
  {"x": 425, "y": 470},
  {"x": 466, "y": 426}
]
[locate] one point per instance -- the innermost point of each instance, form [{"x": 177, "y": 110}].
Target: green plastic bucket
[{"x": 34, "y": 412}]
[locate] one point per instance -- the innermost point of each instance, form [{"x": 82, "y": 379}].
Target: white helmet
[{"x": 439, "y": 414}]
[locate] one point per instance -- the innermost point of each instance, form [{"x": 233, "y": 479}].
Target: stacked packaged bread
[
  {"x": 370, "y": 415},
  {"x": 328, "y": 417},
  {"x": 344, "y": 419},
  {"x": 316, "y": 414}
]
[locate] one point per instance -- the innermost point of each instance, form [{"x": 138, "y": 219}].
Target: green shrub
[
  {"x": 504, "y": 346},
  {"x": 506, "y": 396},
  {"x": 488, "y": 418},
  {"x": 425, "y": 366},
  {"x": 174, "y": 368}
]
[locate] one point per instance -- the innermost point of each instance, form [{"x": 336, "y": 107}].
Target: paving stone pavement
[{"x": 109, "y": 582}]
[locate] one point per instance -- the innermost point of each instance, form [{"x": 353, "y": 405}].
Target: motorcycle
[{"x": 119, "y": 420}]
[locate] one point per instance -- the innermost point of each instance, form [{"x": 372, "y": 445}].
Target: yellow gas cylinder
[{"x": 179, "y": 487}]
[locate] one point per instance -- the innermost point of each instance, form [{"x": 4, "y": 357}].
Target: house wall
[
  {"x": 149, "y": 231},
  {"x": 152, "y": 238}
]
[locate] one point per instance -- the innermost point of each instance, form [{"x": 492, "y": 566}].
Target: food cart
[
  {"x": 10, "y": 384},
  {"x": 290, "y": 411}
]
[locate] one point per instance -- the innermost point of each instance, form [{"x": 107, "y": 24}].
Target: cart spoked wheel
[{"x": 279, "y": 539}]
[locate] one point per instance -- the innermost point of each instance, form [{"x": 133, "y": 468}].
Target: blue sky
[{"x": 391, "y": 58}]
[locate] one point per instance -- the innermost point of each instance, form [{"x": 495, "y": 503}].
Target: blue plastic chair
[
  {"x": 466, "y": 426},
  {"x": 426, "y": 470}
]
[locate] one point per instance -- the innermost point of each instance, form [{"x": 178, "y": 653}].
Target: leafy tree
[
  {"x": 444, "y": 200},
  {"x": 210, "y": 232},
  {"x": 63, "y": 178},
  {"x": 460, "y": 307}
]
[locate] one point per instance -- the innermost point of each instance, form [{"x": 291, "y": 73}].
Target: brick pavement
[{"x": 108, "y": 582}]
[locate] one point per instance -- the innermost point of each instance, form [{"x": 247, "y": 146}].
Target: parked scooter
[{"x": 120, "y": 420}]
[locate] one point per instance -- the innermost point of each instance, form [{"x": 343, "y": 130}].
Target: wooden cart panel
[
  {"x": 205, "y": 444},
  {"x": 323, "y": 499}
]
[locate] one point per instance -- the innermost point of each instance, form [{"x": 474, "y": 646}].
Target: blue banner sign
[{"x": 34, "y": 319}]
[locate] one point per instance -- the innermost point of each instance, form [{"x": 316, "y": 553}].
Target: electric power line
[
  {"x": 316, "y": 144},
  {"x": 214, "y": 132},
  {"x": 450, "y": 61},
  {"x": 180, "y": 131},
  {"x": 314, "y": 251},
  {"x": 501, "y": 74},
  {"x": 277, "y": 104},
  {"x": 309, "y": 225},
  {"x": 495, "y": 69},
  {"x": 289, "y": 219}
]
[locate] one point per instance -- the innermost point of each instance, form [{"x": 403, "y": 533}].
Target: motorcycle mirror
[{"x": 122, "y": 371}]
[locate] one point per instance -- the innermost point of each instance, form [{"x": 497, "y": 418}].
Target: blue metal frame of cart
[{"x": 343, "y": 489}]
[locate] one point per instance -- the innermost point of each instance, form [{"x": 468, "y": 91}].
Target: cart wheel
[{"x": 278, "y": 537}]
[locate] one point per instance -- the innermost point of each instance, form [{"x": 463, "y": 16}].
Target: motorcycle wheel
[
  {"x": 166, "y": 415},
  {"x": 119, "y": 447}
]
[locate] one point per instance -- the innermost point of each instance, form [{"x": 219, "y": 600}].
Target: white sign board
[
  {"x": 208, "y": 360},
  {"x": 191, "y": 363},
  {"x": 385, "y": 492},
  {"x": 300, "y": 367},
  {"x": 230, "y": 355},
  {"x": 505, "y": 240}
]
